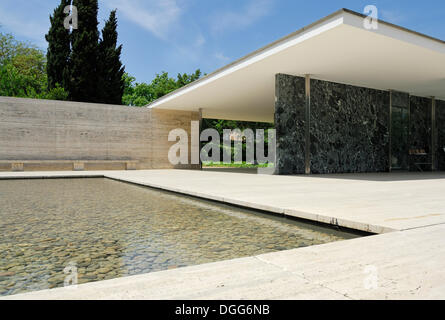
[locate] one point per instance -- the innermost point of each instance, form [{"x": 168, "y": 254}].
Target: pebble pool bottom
[{"x": 52, "y": 229}]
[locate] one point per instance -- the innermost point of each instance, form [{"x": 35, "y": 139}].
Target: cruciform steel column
[
  {"x": 433, "y": 134},
  {"x": 200, "y": 144},
  {"x": 390, "y": 132},
  {"x": 307, "y": 149}
]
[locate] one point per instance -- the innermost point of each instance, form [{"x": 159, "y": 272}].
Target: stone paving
[
  {"x": 375, "y": 203},
  {"x": 398, "y": 265},
  {"x": 408, "y": 260}
]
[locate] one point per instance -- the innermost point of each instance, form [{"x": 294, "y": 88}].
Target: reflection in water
[{"x": 109, "y": 229}]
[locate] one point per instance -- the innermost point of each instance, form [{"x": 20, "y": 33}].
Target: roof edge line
[
  {"x": 246, "y": 57},
  {"x": 280, "y": 42}
]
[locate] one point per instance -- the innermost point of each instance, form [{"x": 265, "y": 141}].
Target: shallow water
[{"x": 106, "y": 229}]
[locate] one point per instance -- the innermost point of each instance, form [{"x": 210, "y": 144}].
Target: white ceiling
[{"x": 336, "y": 49}]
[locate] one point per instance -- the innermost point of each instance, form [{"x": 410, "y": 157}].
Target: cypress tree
[
  {"x": 84, "y": 54},
  {"x": 111, "y": 82},
  {"x": 58, "y": 53}
]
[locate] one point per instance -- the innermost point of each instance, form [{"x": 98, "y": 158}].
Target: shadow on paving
[
  {"x": 383, "y": 176},
  {"x": 233, "y": 170},
  {"x": 380, "y": 177}
]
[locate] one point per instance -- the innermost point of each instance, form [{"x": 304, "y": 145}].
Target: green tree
[
  {"x": 12, "y": 83},
  {"x": 23, "y": 71},
  {"x": 8, "y": 48},
  {"x": 58, "y": 52},
  {"x": 110, "y": 69},
  {"x": 22, "y": 68},
  {"x": 11, "y": 48},
  {"x": 184, "y": 79},
  {"x": 57, "y": 93},
  {"x": 84, "y": 54},
  {"x": 220, "y": 125},
  {"x": 161, "y": 85},
  {"x": 140, "y": 94}
]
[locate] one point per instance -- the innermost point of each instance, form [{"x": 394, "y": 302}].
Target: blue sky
[{"x": 183, "y": 35}]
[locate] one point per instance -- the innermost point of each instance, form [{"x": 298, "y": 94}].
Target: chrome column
[
  {"x": 307, "y": 149},
  {"x": 390, "y": 131},
  {"x": 433, "y": 134}
]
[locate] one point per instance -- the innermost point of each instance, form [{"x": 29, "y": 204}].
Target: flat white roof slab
[{"x": 337, "y": 48}]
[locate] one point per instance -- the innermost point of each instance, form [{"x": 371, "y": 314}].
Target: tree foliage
[
  {"x": 111, "y": 82},
  {"x": 23, "y": 71},
  {"x": 83, "y": 82},
  {"x": 220, "y": 125},
  {"x": 87, "y": 66},
  {"x": 58, "y": 52},
  {"x": 141, "y": 94}
]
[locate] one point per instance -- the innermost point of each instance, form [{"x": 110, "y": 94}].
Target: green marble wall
[
  {"x": 350, "y": 128},
  {"x": 440, "y": 125},
  {"x": 289, "y": 123}
]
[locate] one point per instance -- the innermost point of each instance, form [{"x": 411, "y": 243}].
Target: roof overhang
[{"x": 337, "y": 48}]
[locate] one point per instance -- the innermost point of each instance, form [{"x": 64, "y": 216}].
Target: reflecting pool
[{"x": 97, "y": 229}]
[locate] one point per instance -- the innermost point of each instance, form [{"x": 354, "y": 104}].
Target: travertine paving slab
[
  {"x": 407, "y": 261},
  {"x": 376, "y": 203},
  {"x": 398, "y": 265}
]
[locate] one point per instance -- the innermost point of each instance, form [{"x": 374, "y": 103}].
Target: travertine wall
[{"x": 55, "y": 130}]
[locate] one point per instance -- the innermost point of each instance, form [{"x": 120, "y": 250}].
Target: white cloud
[
  {"x": 200, "y": 40},
  {"x": 156, "y": 16},
  {"x": 231, "y": 20},
  {"x": 221, "y": 57}
]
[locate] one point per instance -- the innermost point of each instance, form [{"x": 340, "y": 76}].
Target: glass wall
[{"x": 400, "y": 121}]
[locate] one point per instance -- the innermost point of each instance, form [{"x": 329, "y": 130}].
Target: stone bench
[{"x": 67, "y": 165}]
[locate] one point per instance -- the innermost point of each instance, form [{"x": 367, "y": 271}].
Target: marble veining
[
  {"x": 289, "y": 123},
  {"x": 349, "y": 128}
]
